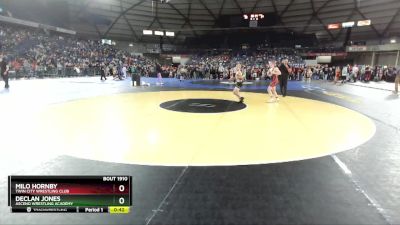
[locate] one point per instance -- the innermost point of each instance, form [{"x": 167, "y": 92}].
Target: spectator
[
  {"x": 4, "y": 68},
  {"x": 345, "y": 73},
  {"x": 397, "y": 81}
]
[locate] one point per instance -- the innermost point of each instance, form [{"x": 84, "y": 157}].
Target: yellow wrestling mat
[{"x": 133, "y": 128}]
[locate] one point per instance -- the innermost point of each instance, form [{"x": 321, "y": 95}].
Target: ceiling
[{"x": 126, "y": 19}]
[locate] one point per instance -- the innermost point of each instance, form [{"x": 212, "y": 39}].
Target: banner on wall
[
  {"x": 357, "y": 48},
  {"x": 324, "y": 59},
  {"x": 311, "y": 62}
]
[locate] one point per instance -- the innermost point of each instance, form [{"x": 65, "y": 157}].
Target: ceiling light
[
  {"x": 362, "y": 23},
  {"x": 147, "y": 32},
  {"x": 159, "y": 33},
  {"x": 348, "y": 24},
  {"x": 169, "y": 34}
]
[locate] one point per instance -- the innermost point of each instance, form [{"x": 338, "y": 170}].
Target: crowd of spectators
[
  {"x": 221, "y": 66},
  {"x": 347, "y": 73},
  {"x": 34, "y": 52},
  {"x": 255, "y": 67}
]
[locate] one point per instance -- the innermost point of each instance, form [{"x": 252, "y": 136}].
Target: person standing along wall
[
  {"x": 368, "y": 74},
  {"x": 397, "y": 81},
  {"x": 354, "y": 73},
  {"x": 159, "y": 74},
  {"x": 345, "y": 73},
  {"x": 4, "y": 71},
  {"x": 133, "y": 70},
  {"x": 123, "y": 71},
  {"x": 308, "y": 74},
  {"x": 103, "y": 72}
]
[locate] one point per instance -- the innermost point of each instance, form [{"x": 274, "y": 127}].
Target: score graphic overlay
[{"x": 70, "y": 194}]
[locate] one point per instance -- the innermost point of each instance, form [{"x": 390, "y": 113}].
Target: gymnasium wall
[
  {"x": 381, "y": 58},
  {"x": 386, "y": 58}
]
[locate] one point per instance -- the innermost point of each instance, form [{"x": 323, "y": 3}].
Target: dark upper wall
[{"x": 55, "y": 13}]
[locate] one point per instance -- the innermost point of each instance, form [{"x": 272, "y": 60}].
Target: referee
[{"x": 283, "y": 78}]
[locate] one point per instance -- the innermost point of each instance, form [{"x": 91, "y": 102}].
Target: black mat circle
[{"x": 202, "y": 105}]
